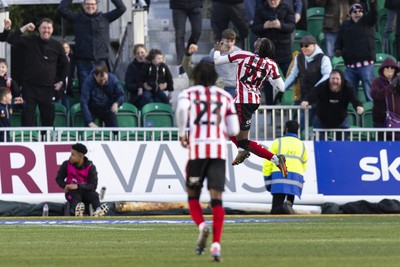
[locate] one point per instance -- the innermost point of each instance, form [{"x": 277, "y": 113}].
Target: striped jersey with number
[
  {"x": 251, "y": 73},
  {"x": 209, "y": 107}
]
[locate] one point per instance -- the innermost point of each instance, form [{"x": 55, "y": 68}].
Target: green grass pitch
[{"x": 331, "y": 240}]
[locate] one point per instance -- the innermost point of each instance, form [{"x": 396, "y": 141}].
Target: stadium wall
[{"x": 337, "y": 172}]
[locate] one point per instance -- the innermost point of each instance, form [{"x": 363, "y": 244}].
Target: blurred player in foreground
[{"x": 210, "y": 113}]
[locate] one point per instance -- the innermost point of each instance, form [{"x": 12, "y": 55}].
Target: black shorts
[
  {"x": 245, "y": 112},
  {"x": 199, "y": 169}
]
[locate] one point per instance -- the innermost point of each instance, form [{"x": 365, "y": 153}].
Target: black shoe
[{"x": 181, "y": 70}]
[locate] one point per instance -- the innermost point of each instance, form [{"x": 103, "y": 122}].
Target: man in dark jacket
[
  {"x": 275, "y": 20},
  {"x": 225, "y": 11},
  {"x": 181, "y": 11},
  {"x": 91, "y": 30},
  {"x": 332, "y": 98},
  {"x": 45, "y": 70},
  {"x": 356, "y": 44},
  {"x": 78, "y": 177},
  {"x": 336, "y": 11},
  {"x": 101, "y": 96}
]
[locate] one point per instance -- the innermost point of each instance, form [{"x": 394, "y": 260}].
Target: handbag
[{"x": 392, "y": 119}]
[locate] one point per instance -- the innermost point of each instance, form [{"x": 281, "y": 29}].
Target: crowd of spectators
[{"x": 349, "y": 28}]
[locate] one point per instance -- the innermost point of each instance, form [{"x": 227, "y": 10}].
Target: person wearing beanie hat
[
  {"x": 78, "y": 177},
  {"x": 253, "y": 69},
  {"x": 356, "y": 44}
]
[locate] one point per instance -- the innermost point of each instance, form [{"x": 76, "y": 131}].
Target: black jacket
[
  {"x": 356, "y": 41},
  {"x": 5, "y": 120},
  {"x": 282, "y": 38},
  {"x": 185, "y": 4},
  {"x": 92, "y": 32},
  {"x": 154, "y": 75},
  {"x": 133, "y": 80},
  {"x": 15, "y": 90},
  {"x": 45, "y": 60},
  {"x": 331, "y": 108},
  {"x": 92, "y": 179}
]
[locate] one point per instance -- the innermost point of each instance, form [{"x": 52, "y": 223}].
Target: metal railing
[{"x": 268, "y": 123}]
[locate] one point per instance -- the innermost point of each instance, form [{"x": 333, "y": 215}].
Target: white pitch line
[{"x": 99, "y": 227}]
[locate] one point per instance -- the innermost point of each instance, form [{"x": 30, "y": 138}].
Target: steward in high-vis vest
[{"x": 296, "y": 155}]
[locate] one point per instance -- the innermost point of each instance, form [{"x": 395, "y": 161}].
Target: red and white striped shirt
[
  {"x": 251, "y": 73},
  {"x": 208, "y": 111}
]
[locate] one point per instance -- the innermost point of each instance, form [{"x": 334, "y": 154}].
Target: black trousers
[
  {"x": 87, "y": 197},
  {"x": 278, "y": 205},
  {"x": 34, "y": 96}
]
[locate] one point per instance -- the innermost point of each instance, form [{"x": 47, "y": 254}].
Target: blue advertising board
[{"x": 358, "y": 168}]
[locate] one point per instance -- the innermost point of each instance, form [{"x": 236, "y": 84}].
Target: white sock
[
  {"x": 275, "y": 160},
  {"x": 202, "y": 226}
]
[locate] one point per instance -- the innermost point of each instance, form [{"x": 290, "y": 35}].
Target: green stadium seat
[
  {"x": 16, "y": 118},
  {"x": 353, "y": 116},
  {"x": 287, "y": 98},
  {"x": 321, "y": 41},
  {"x": 315, "y": 17},
  {"x": 378, "y": 43},
  {"x": 61, "y": 115},
  {"x": 382, "y": 20},
  {"x": 157, "y": 115},
  {"x": 128, "y": 116}
]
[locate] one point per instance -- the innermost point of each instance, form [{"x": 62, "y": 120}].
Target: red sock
[
  {"x": 233, "y": 139},
  {"x": 218, "y": 221},
  {"x": 196, "y": 211},
  {"x": 259, "y": 150}
]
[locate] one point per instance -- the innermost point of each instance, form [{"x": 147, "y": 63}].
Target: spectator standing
[
  {"x": 210, "y": 114},
  {"x": 101, "y": 96},
  {"x": 157, "y": 79},
  {"x": 331, "y": 99},
  {"x": 393, "y": 106},
  {"x": 92, "y": 33},
  {"x": 6, "y": 30},
  {"x": 227, "y": 72},
  {"x": 67, "y": 89},
  {"x": 296, "y": 154},
  {"x": 311, "y": 67},
  {"x": 183, "y": 10},
  {"x": 336, "y": 11},
  {"x": 78, "y": 177},
  {"x": 390, "y": 26},
  {"x": 133, "y": 82},
  {"x": 5, "y": 113},
  {"x": 253, "y": 69},
  {"x": 300, "y": 13},
  {"x": 225, "y": 11},
  {"x": 397, "y": 39},
  {"x": 381, "y": 88},
  {"x": 46, "y": 67},
  {"x": 356, "y": 44},
  {"x": 275, "y": 20},
  {"x": 188, "y": 65}
]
